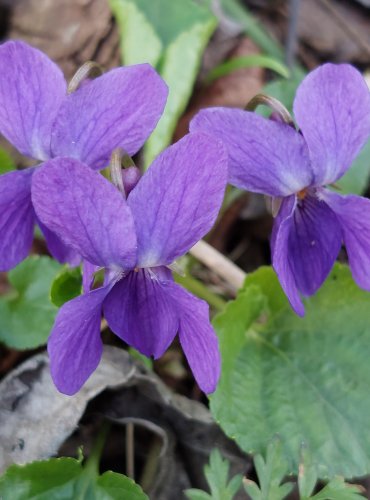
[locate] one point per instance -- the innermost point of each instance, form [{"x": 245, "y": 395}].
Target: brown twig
[
  {"x": 219, "y": 264},
  {"x": 130, "y": 450}
]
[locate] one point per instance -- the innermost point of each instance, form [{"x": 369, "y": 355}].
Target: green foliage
[
  {"x": 217, "y": 473},
  {"x": 6, "y": 162},
  {"x": 284, "y": 90},
  {"x": 66, "y": 285},
  {"x": 68, "y": 478},
  {"x": 336, "y": 489},
  {"x": 194, "y": 494},
  {"x": 65, "y": 478},
  {"x": 252, "y": 61},
  {"x": 26, "y": 312},
  {"x": 307, "y": 474},
  {"x": 171, "y": 36},
  {"x": 197, "y": 288},
  {"x": 147, "y": 362},
  {"x": 356, "y": 179},
  {"x": 270, "y": 473},
  {"x": 238, "y": 12},
  {"x": 305, "y": 380}
]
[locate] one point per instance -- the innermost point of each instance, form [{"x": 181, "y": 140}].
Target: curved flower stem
[
  {"x": 90, "y": 69},
  {"x": 116, "y": 170},
  {"x": 92, "y": 464},
  {"x": 119, "y": 158},
  {"x": 274, "y": 104},
  {"x": 219, "y": 264},
  {"x": 91, "y": 470},
  {"x": 130, "y": 450}
]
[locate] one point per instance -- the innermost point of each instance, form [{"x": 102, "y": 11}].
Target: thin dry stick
[
  {"x": 291, "y": 42},
  {"x": 130, "y": 450},
  {"x": 219, "y": 264},
  {"x": 89, "y": 69}
]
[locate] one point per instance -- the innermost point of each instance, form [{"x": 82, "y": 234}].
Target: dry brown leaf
[
  {"x": 233, "y": 90},
  {"x": 35, "y": 419},
  {"x": 69, "y": 31}
]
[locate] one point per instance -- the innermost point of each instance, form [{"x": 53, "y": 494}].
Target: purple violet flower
[
  {"x": 118, "y": 109},
  {"x": 332, "y": 109},
  {"x": 171, "y": 207}
]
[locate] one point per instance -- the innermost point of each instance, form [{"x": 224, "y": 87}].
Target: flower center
[{"x": 302, "y": 194}]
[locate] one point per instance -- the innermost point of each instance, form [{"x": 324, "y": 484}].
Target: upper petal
[
  {"x": 177, "y": 201},
  {"x": 265, "y": 156},
  {"x": 307, "y": 243},
  {"x": 353, "y": 213},
  {"x": 139, "y": 309},
  {"x": 86, "y": 212},
  {"x": 198, "y": 338},
  {"x": 75, "y": 346},
  {"x": 32, "y": 89},
  {"x": 17, "y": 218},
  {"x": 118, "y": 109},
  {"x": 332, "y": 108}
]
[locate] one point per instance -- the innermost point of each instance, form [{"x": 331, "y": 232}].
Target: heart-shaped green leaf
[
  {"x": 305, "y": 379},
  {"x": 26, "y": 312}
]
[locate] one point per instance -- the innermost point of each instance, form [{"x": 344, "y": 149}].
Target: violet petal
[
  {"x": 312, "y": 240},
  {"x": 281, "y": 258},
  {"x": 177, "y": 201},
  {"x": 32, "y": 89},
  {"x": 75, "y": 346},
  {"x": 88, "y": 271},
  {"x": 139, "y": 309},
  {"x": 353, "y": 213},
  {"x": 118, "y": 109},
  {"x": 265, "y": 156},
  {"x": 86, "y": 212},
  {"x": 332, "y": 108},
  {"x": 198, "y": 338},
  {"x": 17, "y": 218},
  {"x": 314, "y": 243},
  {"x": 58, "y": 249}
]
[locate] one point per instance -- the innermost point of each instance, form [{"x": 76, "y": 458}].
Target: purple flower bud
[{"x": 130, "y": 177}]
